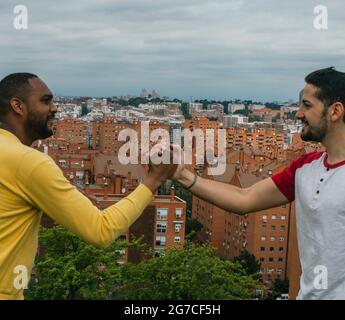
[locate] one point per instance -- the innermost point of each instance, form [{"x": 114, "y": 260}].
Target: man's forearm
[{"x": 225, "y": 196}]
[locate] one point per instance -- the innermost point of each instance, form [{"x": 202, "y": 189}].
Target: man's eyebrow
[{"x": 47, "y": 96}]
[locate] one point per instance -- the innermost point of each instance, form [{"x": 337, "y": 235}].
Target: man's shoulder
[
  {"x": 14, "y": 153},
  {"x": 31, "y": 158},
  {"x": 307, "y": 158},
  {"x": 18, "y": 160}
]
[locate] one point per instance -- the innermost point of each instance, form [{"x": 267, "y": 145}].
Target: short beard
[
  {"x": 317, "y": 134},
  {"x": 37, "y": 128}
]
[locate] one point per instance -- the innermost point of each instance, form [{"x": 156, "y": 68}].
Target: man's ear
[
  {"x": 17, "y": 106},
  {"x": 337, "y": 111}
]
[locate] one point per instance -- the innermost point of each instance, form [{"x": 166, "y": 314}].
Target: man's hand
[
  {"x": 158, "y": 172},
  {"x": 182, "y": 173}
]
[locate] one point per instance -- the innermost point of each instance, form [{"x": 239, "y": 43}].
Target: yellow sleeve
[{"x": 44, "y": 184}]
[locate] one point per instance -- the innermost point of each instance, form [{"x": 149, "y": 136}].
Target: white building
[
  {"x": 253, "y": 107},
  {"x": 234, "y": 120},
  {"x": 194, "y": 107},
  {"x": 232, "y": 107}
]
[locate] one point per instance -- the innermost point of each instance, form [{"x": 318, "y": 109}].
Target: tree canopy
[
  {"x": 68, "y": 268},
  {"x": 190, "y": 273}
]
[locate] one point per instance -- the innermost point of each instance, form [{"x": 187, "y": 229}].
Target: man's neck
[{"x": 335, "y": 146}]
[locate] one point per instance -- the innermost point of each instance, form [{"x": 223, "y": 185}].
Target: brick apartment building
[
  {"x": 162, "y": 224},
  {"x": 263, "y": 233},
  {"x": 269, "y": 234},
  {"x": 255, "y": 138},
  {"x": 105, "y": 134}
]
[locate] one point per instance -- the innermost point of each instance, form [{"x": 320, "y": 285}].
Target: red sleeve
[{"x": 285, "y": 180}]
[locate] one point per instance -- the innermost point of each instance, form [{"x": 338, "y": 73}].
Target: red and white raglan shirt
[{"x": 319, "y": 191}]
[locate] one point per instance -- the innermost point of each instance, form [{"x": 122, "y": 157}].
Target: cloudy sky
[{"x": 219, "y": 49}]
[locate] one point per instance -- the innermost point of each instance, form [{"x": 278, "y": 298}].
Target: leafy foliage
[
  {"x": 279, "y": 287},
  {"x": 248, "y": 262},
  {"x": 190, "y": 273},
  {"x": 68, "y": 268}
]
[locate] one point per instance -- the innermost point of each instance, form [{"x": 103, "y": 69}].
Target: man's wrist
[
  {"x": 152, "y": 183},
  {"x": 186, "y": 178}
]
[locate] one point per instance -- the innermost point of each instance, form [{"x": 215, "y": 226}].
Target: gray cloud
[{"x": 200, "y": 48}]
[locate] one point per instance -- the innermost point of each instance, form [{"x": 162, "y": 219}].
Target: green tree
[
  {"x": 68, "y": 268},
  {"x": 279, "y": 287},
  {"x": 248, "y": 262},
  {"x": 193, "y": 272},
  {"x": 272, "y": 106},
  {"x": 243, "y": 112},
  {"x": 84, "y": 109},
  {"x": 184, "y": 109},
  {"x": 253, "y": 118},
  {"x": 193, "y": 226}
]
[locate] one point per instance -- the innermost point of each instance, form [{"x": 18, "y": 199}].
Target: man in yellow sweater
[{"x": 31, "y": 183}]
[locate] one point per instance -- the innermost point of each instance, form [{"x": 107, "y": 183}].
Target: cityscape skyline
[{"x": 215, "y": 49}]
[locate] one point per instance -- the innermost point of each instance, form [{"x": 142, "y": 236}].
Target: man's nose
[
  {"x": 299, "y": 114},
  {"x": 53, "y": 108}
]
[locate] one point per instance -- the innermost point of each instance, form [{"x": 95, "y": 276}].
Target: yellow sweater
[{"x": 31, "y": 183}]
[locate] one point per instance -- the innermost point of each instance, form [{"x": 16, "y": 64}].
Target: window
[
  {"x": 271, "y": 249},
  {"x": 272, "y": 238},
  {"x": 262, "y": 248},
  {"x": 282, "y": 239},
  {"x": 177, "y": 239},
  {"x": 282, "y": 217},
  {"x": 280, "y": 259},
  {"x": 161, "y": 227},
  {"x": 262, "y": 259},
  {"x": 178, "y": 213},
  {"x": 274, "y": 217},
  {"x": 273, "y": 228},
  {"x": 162, "y": 214},
  {"x": 269, "y": 271},
  {"x": 177, "y": 227},
  {"x": 263, "y": 227},
  {"x": 282, "y": 228},
  {"x": 264, "y": 218},
  {"x": 270, "y": 259},
  {"x": 279, "y": 270},
  {"x": 263, "y": 238},
  {"x": 161, "y": 240},
  {"x": 281, "y": 249}
]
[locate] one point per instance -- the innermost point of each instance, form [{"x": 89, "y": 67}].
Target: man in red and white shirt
[{"x": 316, "y": 181}]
